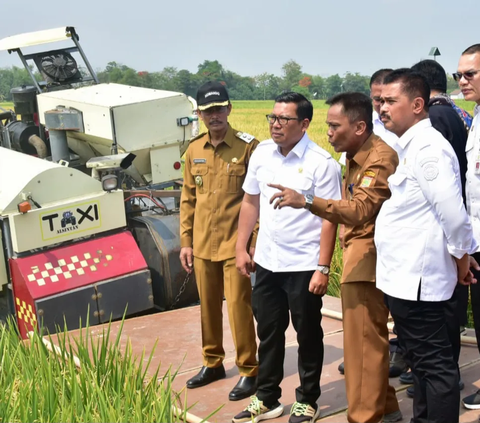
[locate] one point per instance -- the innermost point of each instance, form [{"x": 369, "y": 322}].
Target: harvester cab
[{"x": 89, "y": 227}]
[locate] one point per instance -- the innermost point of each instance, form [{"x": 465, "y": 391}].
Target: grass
[
  {"x": 88, "y": 379},
  {"x": 6, "y": 106}
]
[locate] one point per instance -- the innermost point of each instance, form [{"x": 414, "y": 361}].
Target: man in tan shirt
[
  {"x": 370, "y": 161},
  {"x": 215, "y": 168}
]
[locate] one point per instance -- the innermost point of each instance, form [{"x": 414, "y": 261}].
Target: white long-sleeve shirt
[
  {"x": 424, "y": 224},
  {"x": 472, "y": 187}
]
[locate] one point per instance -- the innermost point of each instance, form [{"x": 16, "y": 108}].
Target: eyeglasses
[
  {"x": 214, "y": 110},
  {"x": 282, "y": 120},
  {"x": 467, "y": 75}
]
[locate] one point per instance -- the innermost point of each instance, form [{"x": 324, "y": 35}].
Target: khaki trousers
[
  {"x": 366, "y": 352},
  {"x": 213, "y": 280}
]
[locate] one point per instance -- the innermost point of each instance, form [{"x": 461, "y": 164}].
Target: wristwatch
[
  {"x": 308, "y": 201},
  {"x": 323, "y": 269}
]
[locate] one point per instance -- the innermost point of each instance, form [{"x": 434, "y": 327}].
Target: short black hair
[
  {"x": 414, "y": 84},
  {"x": 472, "y": 49},
  {"x": 379, "y": 76},
  {"x": 304, "y": 106},
  {"x": 356, "y": 106},
  {"x": 434, "y": 72}
]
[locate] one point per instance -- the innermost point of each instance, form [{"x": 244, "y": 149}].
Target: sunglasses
[{"x": 467, "y": 75}]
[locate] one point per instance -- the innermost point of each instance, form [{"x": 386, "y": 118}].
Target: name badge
[
  {"x": 197, "y": 161},
  {"x": 477, "y": 164}
]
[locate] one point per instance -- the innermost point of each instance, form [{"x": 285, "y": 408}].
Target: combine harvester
[{"x": 90, "y": 179}]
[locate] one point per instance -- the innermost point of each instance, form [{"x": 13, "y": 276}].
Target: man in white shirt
[
  {"x": 292, "y": 257},
  {"x": 423, "y": 237},
  {"x": 468, "y": 77}
]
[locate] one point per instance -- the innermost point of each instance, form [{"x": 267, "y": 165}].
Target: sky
[{"x": 250, "y": 37}]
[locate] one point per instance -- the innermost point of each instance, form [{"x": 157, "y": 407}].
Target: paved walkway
[{"x": 179, "y": 346}]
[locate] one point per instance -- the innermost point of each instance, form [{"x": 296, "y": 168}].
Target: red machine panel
[
  {"x": 69, "y": 268},
  {"x": 66, "y": 268}
]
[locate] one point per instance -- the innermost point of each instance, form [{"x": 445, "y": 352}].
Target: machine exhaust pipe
[{"x": 39, "y": 145}]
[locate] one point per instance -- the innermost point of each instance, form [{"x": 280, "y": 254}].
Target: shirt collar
[
  {"x": 362, "y": 154},
  {"x": 300, "y": 147},
  {"x": 408, "y": 136},
  {"x": 376, "y": 117},
  {"x": 229, "y": 137}
]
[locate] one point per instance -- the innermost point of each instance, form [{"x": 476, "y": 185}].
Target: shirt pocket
[
  {"x": 300, "y": 183},
  {"x": 398, "y": 187},
  {"x": 235, "y": 176},
  {"x": 200, "y": 177}
]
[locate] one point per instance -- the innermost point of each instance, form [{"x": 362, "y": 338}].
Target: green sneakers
[
  {"x": 303, "y": 413},
  {"x": 256, "y": 412}
]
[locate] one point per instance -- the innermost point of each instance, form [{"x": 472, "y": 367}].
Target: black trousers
[
  {"x": 453, "y": 311},
  {"x": 274, "y": 295},
  {"x": 423, "y": 335},
  {"x": 475, "y": 298}
]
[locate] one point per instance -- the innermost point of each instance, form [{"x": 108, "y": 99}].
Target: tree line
[{"x": 265, "y": 86}]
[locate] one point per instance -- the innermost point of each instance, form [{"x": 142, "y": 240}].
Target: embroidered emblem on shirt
[
  {"x": 300, "y": 170},
  {"x": 430, "y": 171},
  {"x": 199, "y": 180},
  {"x": 196, "y": 161},
  {"x": 370, "y": 173},
  {"x": 366, "y": 181},
  {"x": 234, "y": 160}
]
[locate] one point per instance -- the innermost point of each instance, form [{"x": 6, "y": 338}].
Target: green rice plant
[
  {"x": 336, "y": 269},
  {"x": 84, "y": 378}
]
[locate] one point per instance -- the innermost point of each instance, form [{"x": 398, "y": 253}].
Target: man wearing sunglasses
[
  {"x": 215, "y": 166},
  {"x": 292, "y": 256},
  {"x": 468, "y": 77}
]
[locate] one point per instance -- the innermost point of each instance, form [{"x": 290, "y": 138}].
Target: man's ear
[
  {"x": 360, "y": 127},
  {"x": 418, "y": 105},
  {"x": 305, "y": 124}
]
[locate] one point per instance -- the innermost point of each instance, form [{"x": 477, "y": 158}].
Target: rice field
[{"x": 88, "y": 378}]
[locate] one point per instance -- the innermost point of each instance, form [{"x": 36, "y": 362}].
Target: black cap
[{"x": 212, "y": 94}]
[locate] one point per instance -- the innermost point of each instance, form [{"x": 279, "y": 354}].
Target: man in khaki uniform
[
  {"x": 370, "y": 161},
  {"x": 215, "y": 167}
]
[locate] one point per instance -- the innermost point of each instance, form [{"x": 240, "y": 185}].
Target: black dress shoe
[
  {"x": 245, "y": 387},
  {"x": 205, "y": 376},
  {"x": 341, "y": 368},
  {"x": 397, "y": 365},
  {"x": 406, "y": 378}
]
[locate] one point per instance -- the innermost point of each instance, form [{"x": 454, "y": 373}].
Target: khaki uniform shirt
[
  {"x": 364, "y": 190},
  {"x": 212, "y": 194}
]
